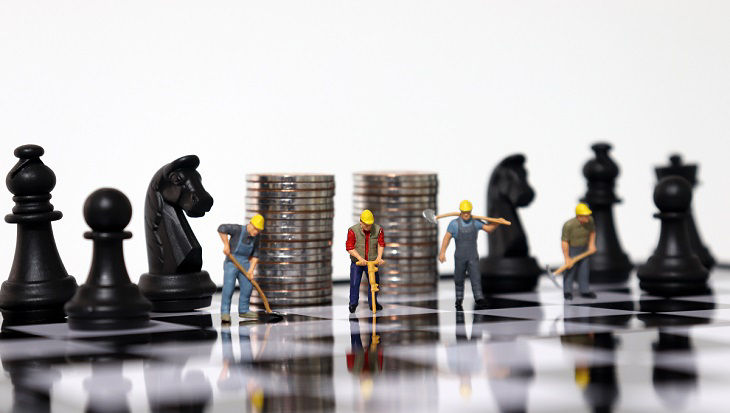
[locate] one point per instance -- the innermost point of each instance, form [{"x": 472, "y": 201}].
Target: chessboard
[{"x": 624, "y": 351}]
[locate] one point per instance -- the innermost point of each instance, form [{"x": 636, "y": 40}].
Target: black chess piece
[
  {"x": 508, "y": 267},
  {"x": 610, "y": 264},
  {"x": 176, "y": 281},
  {"x": 674, "y": 268},
  {"x": 688, "y": 172},
  {"x": 38, "y": 285},
  {"x": 108, "y": 300}
]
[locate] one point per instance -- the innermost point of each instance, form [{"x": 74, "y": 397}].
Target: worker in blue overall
[
  {"x": 464, "y": 231},
  {"x": 241, "y": 241}
]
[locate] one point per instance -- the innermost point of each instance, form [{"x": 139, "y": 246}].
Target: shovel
[
  {"x": 552, "y": 275},
  {"x": 269, "y": 316},
  {"x": 431, "y": 217}
]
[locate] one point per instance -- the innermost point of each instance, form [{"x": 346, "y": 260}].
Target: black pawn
[
  {"x": 108, "y": 300},
  {"x": 609, "y": 264},
  {"x": 674, "y": 268},
  {"x": 688, "y": 172},
  {"x": 38, "y": 285}
]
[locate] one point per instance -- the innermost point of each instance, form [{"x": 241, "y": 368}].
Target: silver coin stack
[
  {"x": 397, "y": 199},
  {"x": 295, "y": 255}
]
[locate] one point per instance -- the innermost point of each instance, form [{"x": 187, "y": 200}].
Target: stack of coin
[
  {"x": 397, "y": 199},
  {"x": 295, "y": 255}
]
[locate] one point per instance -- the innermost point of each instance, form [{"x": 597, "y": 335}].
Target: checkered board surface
[{"x": 622, "y": 352}]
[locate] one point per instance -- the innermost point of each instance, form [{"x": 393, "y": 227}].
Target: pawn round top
[
  {"x": 107, "y": 210},
  {"x": 30, "y": 176},
  {"x": 673, "y": 194},
  {"x": 602, "y": 167}
]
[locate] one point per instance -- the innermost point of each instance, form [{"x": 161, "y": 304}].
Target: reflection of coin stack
[
  {"x": 397, "y": 199},
  {"x": 295, "y": 254}
]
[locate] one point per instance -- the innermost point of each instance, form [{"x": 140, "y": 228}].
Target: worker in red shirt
[{"x": 363, "y": 245}]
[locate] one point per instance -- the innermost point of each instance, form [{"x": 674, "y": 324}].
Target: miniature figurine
[
  {"x": 578, "y": 241},
  {"x": 464, "y": 230},
  {"x": 243, "y": 245},
  {"x": 363, "y": 247}
]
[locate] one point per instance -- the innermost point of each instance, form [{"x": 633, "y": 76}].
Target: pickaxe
[{"x": 551, "y": 275}]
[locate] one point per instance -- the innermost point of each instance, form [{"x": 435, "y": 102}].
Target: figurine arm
[
  {"x": 490, "y": 227},
  {"x": 566, "y": 252},
  {"x": 444, "y": 246},
  {"x": 226, "y": 245},
  {"x": 381, "y": 247},
  {"x": 592, "y": 242},
  {"x": 253, "y": 261}
]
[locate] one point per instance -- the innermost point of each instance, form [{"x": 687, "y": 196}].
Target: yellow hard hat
[
  {"x": 367, "y": 217},
  {"x": 465, "y": 206},
  {"x": 258, "y": 222},
  {"x": 582, "y": 209}
]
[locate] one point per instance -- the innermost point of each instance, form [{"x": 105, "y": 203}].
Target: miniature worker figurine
[
  {"x": 363, "y": 246},
  {"x": 464, "y": 230},
  {"x": 579, "y": 236},
  {"x": 243, "y": 244}
]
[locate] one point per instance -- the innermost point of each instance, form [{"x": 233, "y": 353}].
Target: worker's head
[
  {"x": 465, "y": 210},
  {"x": 256, "y": 225},
  {"x": 366, "y": 220},
  {"x": 583, "y": 213}
]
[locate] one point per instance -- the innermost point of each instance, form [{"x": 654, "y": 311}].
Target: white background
[{"x": 115, "y": 89}]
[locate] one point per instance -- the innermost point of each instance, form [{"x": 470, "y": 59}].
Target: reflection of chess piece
[
  {"x": 674, "y": 386},
  {"x": 174, "y": 385},
  {"x": 688, "y": 172},
  {"x": 609, "y": 264},
  {"x": 509, "y": 267},
  {"x": 38, "y": 285},
  {"x": 32, "y": 381},
  {"x": 107, "y": 388}
]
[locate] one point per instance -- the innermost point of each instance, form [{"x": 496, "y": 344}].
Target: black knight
[
  {"x": 176, "y": 281},
  {"x": 509, "y": 268}
]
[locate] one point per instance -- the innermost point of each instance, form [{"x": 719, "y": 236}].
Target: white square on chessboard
[
  {"x": 553, "y": 312},
  {"x": 342, "y": 312},
  {"x": 61, "y": 330}
]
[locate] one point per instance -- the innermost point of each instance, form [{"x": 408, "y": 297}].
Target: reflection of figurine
[
  {"x": 363, "y": 246},
  {"x": 464, "y": 358},
  {"x": 465, "y": 230},
  {"x": 509, "y": 267},
  {"x": 578, "y": 239},
  {"x": 233, "y": 376},
  {"x": 243, "y": 245},
  {"x": 175, "y": 281}
]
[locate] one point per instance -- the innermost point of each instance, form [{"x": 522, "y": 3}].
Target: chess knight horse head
[
  {"x": 171, "y": 245},
  {"x": 508, "y": 190}
]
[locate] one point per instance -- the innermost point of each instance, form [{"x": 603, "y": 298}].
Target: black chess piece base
[
  {"x": 178, "y": 292},
  {"x": 509, "y": 274}
]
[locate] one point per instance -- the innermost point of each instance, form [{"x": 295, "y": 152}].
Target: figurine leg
[
  {"x": 475, "y": 276},
  {"x": 584, "y": 276},
  {"x": 568, "y": 280},
  {"x": 459, "y": 275},
  {"x": 355, "y": 278},
  {"x": 244, "y": 298},
  {"x": 230, "y": 273}
]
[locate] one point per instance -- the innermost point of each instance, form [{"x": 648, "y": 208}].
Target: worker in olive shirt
[
  {"x": 365, "y": 242},
  {"x": 579, "y": 236},
  {"x": 243, "y": 245},
  {"x": 464, "y": 230}
]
